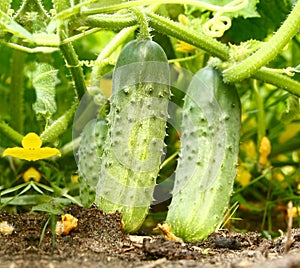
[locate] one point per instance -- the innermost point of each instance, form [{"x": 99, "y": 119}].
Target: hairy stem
[
  {"x": 10, "y": 133},
  {"x": 17, "y": 90},
  {"x": 74, "y": 66},
  {"x": 59, "y": 126},
  {"x": 268, "y": 50},
  {"x": 213, "y": 47},
  {"x": 112, "y": 22},
  {"x": 239, "y": 4},
  {"x": 143, "y": 24},
  {"x": 279, "y": 80}
]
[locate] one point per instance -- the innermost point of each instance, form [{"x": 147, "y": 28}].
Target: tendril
[{"x": 216, "y": 26}]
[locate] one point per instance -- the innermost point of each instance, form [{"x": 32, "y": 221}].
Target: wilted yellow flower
[
  {"x": 264, "y": 151},
  {"x": 6, "y": 228},
  {"x": 31, "y": 150},
  {"x": 166, "y": 230},
  {"x": 66, "y": 225},
  {"x": 32, "y": 174},
  {"x": 294, "y": 213}
]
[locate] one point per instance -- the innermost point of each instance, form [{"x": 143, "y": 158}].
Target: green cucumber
[
  {"x": 89, "y": 158},
  {"x": 211, "y": 120},
  {"x": 137, "y": 128}
]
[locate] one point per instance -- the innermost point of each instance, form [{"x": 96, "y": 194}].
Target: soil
[{"x": 98, "y": 241}]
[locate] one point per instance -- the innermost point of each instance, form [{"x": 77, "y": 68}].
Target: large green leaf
[
  {"x": 44, "y": 80},
  {"x": 272, "y": 14}
]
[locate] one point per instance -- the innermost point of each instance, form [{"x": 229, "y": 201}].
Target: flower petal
[
  {"x": 32, "y": 141},
  {"x": 17, "y": 152}
]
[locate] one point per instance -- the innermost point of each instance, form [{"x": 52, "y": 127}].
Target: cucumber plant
[
  {"x": 122, "y": 164},
  {"x": 208, "y": 156}
]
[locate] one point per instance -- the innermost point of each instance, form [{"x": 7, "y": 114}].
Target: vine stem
[
  {"x": 10, "y": 133},
  {"x": 184, "y": 33},
  {"x": 144, "y": 33},
  {"x": 279, "y": 80},
  {"x": 74, "y": 66},
  {"x": 261, "y": 124},
  {"x": 59, "y": 126},
  {"x": 118, "y": 39},
  {"x": 228, "y": 8},
  {"x": 268, "y": 50},
  {"x": 208, "y": 44},
  {"x": 17, "y": 90},
  {"x": 112, "y": 22}
]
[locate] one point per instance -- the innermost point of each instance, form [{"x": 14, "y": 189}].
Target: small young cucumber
[
  {"x": 89, "y": 158},
  {"x": 208, "y": 157},
  {"x": 137, "y": 128}
]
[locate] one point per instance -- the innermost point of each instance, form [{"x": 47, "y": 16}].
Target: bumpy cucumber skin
[
  {"x": 137, "y": 128},
  {"x": 199, "y": 201},
  {"x": 89, "y": 156}
]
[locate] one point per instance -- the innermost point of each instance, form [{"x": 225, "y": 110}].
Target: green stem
[
  {"x": 17, "y": 90},
  {"x": 270, "y": 77},
  {"x": 215, "y": 48},
  {"x": 261, "y": 124},
  {"x": 79, "y": 36},
  {"x": 143, "y": 24},
  {"x": 279, "y": 80},
  {"x": 113, "y": 22},
  {"x": 107, "y": 51},
  {"x": 10, "y": 133},
  {"x": 74, "y": 66},
  {"x": 186, "y": 34},
  {"x": 268, "y": 50},
  {"x": 59, "y": 126},
  {"x": 197, "y": 3}
]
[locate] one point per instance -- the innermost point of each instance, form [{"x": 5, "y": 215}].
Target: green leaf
[
  {"x": 26, "y": 200},
  {"x": 248, "y": 12},
  {"x": 5, "y": 5},
  {"x": 272, "y": 14},
  {"x": 292, "y": 109},
  {"x": 7, "y": 24},
  {"x": 44, "y": 80},
  {"x": 61, "y": 5}
]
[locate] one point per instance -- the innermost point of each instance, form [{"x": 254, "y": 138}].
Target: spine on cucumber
[
  {"x": 137, "y": 128},
  {"x": 208, "y": 157}
]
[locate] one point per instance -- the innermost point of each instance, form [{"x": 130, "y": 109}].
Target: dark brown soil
[{"x": 98, "y": 241}]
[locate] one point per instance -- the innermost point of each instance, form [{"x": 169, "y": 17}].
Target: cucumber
[
  {"x": 89, "y": 158},
  {"x": 211, "y": 121},
  {"x": 137, "y": 128}
]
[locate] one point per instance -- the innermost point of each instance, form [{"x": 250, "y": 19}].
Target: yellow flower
[
  {"x": 32, "y": 174},
  {"x": 243, "y": 175},
  {"x": 31, "y": 150},
  {"x": 185, "y": 47}
]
